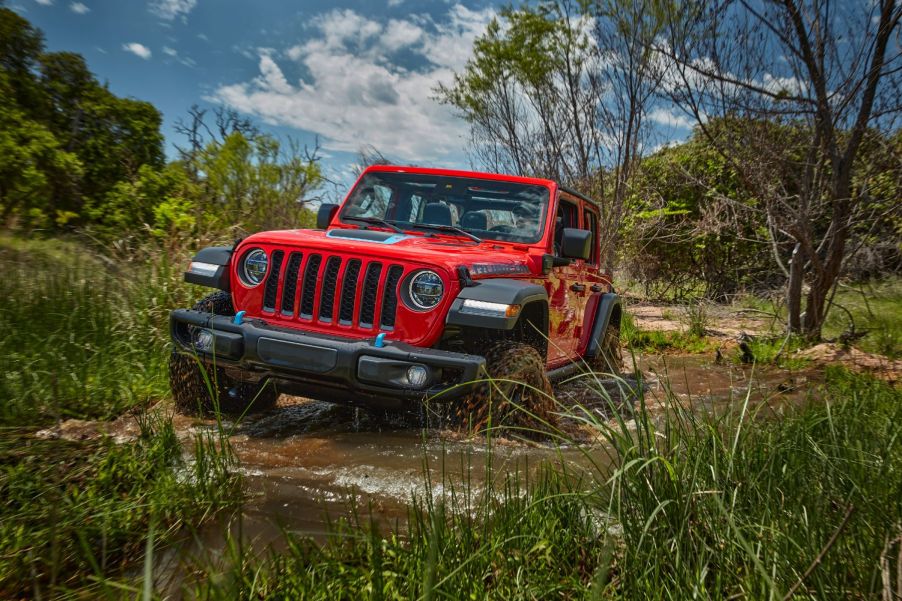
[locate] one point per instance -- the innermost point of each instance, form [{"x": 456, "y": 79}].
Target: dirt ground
[
  {"x": 727, "y": 324},
  {"x": 724, "y": 321}
]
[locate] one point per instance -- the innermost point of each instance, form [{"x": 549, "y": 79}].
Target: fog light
[
  {"x": 417, "y": 376},
  {"x": 203, "y": 340}
]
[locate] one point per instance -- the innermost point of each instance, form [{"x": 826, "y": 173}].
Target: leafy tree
[
  {"x": 254, "y": 183},
  {"x": 67, "y": 140},
  {"x": 34, "y": 169},
  {"x": 832, "y": 72},
  {"x": 560, "y": 90},
  {"x": 156, "y": 201},
  {"x": 21, "y": 46},
  {"x": 112, "y": 136}
]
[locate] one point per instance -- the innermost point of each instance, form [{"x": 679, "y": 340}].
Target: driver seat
[{"x": 437, "y": 213}]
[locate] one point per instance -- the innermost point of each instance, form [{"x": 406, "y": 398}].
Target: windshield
[{"x": 488, "y": 209}]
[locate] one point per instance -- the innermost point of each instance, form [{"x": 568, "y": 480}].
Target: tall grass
[
  {"x": 87, "y": 338},
  {"x": 75, "y": 514},
  {"x": 730, "y": 506},
  {"x": 725, "y": 505},
  {"x": 82, "y": 337}
]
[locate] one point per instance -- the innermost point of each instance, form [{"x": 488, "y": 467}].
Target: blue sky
[{"x": 353, "y": 73}]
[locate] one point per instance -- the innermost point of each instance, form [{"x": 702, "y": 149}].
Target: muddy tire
[
  {"x": 609, "y": 359},
  {"x": 517, "y": 395},
  {"x": 201, "y": 389}
]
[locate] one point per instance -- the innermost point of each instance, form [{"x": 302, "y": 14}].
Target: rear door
[{"x": 592, "y": 278}]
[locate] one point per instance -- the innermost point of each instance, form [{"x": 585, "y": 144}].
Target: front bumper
[{"x": 328, "y": 368}]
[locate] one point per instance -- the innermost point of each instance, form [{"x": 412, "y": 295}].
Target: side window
[
  {"x": 590, "y": 218},
  {"x": 372, "y": 201},
  {"x": 567, "y": 216}
]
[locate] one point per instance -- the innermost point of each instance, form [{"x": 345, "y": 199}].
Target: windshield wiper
[
  {"x": 375, "y": 221},
  {"x": 447, "y": 228}
]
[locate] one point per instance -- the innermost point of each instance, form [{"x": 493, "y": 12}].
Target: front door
[{"x": 566, "y": 294}]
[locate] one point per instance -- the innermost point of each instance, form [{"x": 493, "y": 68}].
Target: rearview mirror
[
  {"x": 324, "y": 215},
  {"x": 576, "y": 243}
]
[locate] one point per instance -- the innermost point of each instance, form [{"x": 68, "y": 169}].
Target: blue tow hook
[
  {"x": 239, "y": 318},
  {"x": 380, "y": 340}
]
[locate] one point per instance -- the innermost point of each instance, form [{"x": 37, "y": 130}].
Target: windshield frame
[{"x": 477, "y": 192}]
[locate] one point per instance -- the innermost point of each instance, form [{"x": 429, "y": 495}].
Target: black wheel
[
  {"x": 201, "y": 389},
  {"x": 609, "y": 359},
  {"x": 517, "y": 393}
]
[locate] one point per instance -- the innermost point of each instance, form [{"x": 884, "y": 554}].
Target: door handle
[
  {"x": 595, "y": 288},
  {"x": 578, "y": 287}
]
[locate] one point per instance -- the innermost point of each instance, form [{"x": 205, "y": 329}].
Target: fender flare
[
  {"x": 608, "y": 306},
  {"x": 495, "y": 290},
  {"x": 220, "y": 256}
]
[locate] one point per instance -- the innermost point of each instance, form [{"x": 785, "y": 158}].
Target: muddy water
[{"x": 305, "y": 460}]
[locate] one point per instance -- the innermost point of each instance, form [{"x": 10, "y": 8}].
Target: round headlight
[
  {"x": 426, "y": 290},
  {"x": 254, "y": 268}
]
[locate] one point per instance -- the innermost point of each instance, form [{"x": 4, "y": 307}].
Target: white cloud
[
  {"x": 139, "y": 50},
  {"x": 171, "y": 9},
  {"x": 79, "y": 8},
  {"x": 173, "y": 53},
  {"x": 394, "y": 3},
  {"x": 783, "y": 85},
  {"x": 44, "y": 2},
  {"x": 669, "y": 118},
  {"x": 353, "y": 94}
]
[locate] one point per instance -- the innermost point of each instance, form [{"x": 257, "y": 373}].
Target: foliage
[
  {"x": 86, "y": 340},
  {"x": 75, "y": 514},
  {"x": 66, "y": 140},
  {"x": 714, "y": 504},
  {"x": 693, "y": 227},
  {"x": 82, "y": 339},
  {"x": 689, "y": 222},
  {"x": 72, "y": 154},
  {"x": 803, "y": 109}
]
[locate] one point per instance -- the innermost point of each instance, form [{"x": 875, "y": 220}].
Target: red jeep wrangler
[{"x": 422, "y": 282}]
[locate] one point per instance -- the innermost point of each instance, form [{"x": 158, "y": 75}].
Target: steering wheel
[{"x": 503, "y": 229}]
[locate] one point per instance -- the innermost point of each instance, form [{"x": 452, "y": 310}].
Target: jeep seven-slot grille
[
  {"x": 290, "y": 285},
  {"x": 349, "y": 292},
  {"x": 330, "y": 286},
  {"x": 308, "y": 295},
  {"x": 272, "y": 282},
  {"x": 390, "y": 297},
  {"x": 330, "y": 278},
  {"x": 370, "y": 294}
]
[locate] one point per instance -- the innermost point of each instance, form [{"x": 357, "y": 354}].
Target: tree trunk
[
  {"x": 794, "y": 291},
  {"x": 814, "y": 309}
]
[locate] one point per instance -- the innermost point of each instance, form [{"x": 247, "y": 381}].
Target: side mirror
[
  {"x": 576, "y": 244},
  {"x": 324, "y": 215}
]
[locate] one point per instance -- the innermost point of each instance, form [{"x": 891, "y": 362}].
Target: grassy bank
[
  {"x": 86, "y": 337},
  {"x": 714, "y": 507}
]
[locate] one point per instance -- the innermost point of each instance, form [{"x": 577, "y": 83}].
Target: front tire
[
  {"x": 517, "y": 393},
  {"x": 201, "y": 389}
]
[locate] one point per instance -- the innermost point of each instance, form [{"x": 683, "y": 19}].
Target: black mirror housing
[
  {"x": 325, "y": 214},
  {"x": 576, "y": 243}
]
